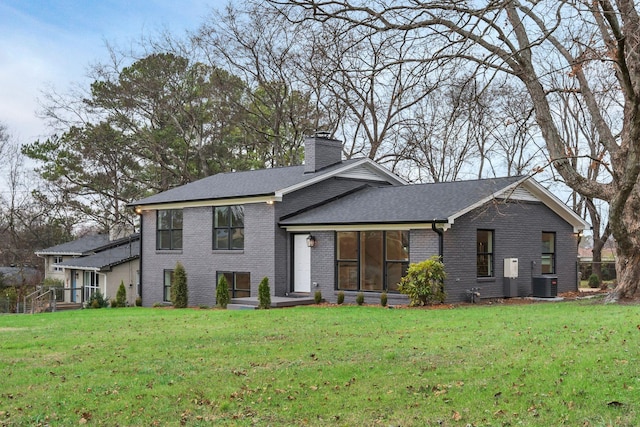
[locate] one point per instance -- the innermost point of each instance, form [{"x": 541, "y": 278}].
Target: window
[
  {"x": 371, "y": 260},
  {"x": 167, "y": 282},
  {"x": 548, "y": 263},
  {"x": 169, "y": 229},
  {"x": 228, "y": 227},
  {"x": 239, "y": 283},
  {"x": 91, "y": 284},
  {"x": 485, "y": 253},
  {"x": 57, "y": 260}
]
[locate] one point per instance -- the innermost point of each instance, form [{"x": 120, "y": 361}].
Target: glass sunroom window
[
  {"x": 228, "y": 227},
  {"x": 371, "y": 260}
]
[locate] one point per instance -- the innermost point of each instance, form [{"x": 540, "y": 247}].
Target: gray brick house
[{"x": 333, "y": 225}]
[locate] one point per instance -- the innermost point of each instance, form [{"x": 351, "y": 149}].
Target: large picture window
[
  {"x": 485, "y": 253},
  {"x": 548, "y": 262},
  {"x": 239, "y": 283},
  {"x": 228, "y": 227},
  {"x": 169, "y": 229},
  {"x": 371, "y": 260}
]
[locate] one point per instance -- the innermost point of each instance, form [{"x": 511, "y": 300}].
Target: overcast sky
[{"x": 52, "y": 42}]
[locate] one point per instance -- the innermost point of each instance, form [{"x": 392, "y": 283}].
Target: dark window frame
[
  {"x": 229, "y": 229},
  {"x": 357, "y": 262},
  {"x": 487, "y": 252},
  {"x": 171, "y": 232},
  {"x": 551, "y": 255},
  {"x": 166, "y": 288},
  {"x": 234, "y": 291}
]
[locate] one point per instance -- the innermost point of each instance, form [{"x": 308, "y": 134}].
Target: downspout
[
  {"x": 440, "y": 240},
  {"x": 139, "y": 285}
]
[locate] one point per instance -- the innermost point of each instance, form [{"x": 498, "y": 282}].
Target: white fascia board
[
  {"x": 75, "y": 267},
  {"x": 386, "y": 174},
  {"x": 270, "y": 199},
  {"x": 45, "y": 253},
  {"x": 361, "y": 227}
]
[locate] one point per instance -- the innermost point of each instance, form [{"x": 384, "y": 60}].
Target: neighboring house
[
  {"x": 333, "y": 225},
  {"x": 95, "y": 263},
  {"x": 19, "y": 276}
]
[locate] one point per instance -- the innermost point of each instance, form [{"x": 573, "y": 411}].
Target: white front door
[{"x": 301, "y": 264}]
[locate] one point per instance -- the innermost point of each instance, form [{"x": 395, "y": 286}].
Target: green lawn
[{"x": 545, "y": 364}]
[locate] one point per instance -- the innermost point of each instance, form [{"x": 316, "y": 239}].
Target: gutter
[{"x": 440, "y": 240}]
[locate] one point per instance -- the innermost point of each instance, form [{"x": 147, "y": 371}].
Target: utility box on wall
[
  {"x": 511, "y": 268},
  {"x": 510, "y": 280}
]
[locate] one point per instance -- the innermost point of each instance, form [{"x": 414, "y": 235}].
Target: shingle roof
[
  {"x": 105, "y": 259},
  {"x": 260, "y": 182},
  {"x": 404, "y": 204},
  {"x": 77, "y": 247}
]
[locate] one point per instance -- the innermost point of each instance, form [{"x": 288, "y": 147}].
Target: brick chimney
[{"x": 321, "y": 151}]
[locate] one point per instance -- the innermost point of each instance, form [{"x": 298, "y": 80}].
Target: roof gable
[
  {"x": 269, "y": 183},
  {"x": 425, "y": 203}
]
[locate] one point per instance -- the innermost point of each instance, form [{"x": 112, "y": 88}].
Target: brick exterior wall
[
  {"x": 518, "y": 228},
  {"x": 321, "y": 152}
]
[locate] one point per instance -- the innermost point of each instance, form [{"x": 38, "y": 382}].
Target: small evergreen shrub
[
  {"x": 360, "y": 298},
  {"x": 179, "y": 290},
  {"x": 264, "y": 294},
  {"x": 222, "y": 292},
  {"x": 158, "y": 304},
  {"x": 121, "y": 296},
  {"x": 594, "y": 281},
  {"x": 97, "y": 300},
  {"x": 113, "y": 303},
  {"x": 317, "y": 297},
  {"x": 383, "y": 299},
  {"x": 340, "y": 297},
  {"x": 139, "y": 302},
  {"x": 424, "y": 282}
]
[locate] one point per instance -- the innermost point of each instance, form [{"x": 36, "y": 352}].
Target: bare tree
[{"x": 536, "y": 41}]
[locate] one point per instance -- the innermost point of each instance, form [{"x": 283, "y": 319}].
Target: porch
[{"x": 251, "y": 303}]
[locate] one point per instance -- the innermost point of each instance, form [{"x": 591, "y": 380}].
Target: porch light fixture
[{"x": 311, "y": 241}]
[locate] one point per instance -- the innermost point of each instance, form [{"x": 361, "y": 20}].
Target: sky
[{"x": 51, "y": 43}]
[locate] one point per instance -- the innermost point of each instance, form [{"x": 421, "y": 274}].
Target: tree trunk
[{"x": 628, "y": 251}]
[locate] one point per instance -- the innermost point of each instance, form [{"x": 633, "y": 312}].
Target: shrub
[
  {"x": 360, "y": 298},
  {"x": 97, "y": 300},
  {"x": 594, "y": 281},
  {"x": 158, "y": 304},
  {"x": 179, "y": 290},
  {"x": 383, "y": 299},
  {"x": 222, "y": 292},
  {"x": 264, "y": 294},
  {"x": 424, "y": 282},
  {"x": 340, "y": 297},
  {"x": 317, "y": 297},
  {"x": 139, "y": 302},
  {"x": 121, "y": 296}
]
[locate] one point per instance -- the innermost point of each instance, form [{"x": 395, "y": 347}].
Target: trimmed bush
[
  {"x": 317, "y": 297},
  {"x": 360, "y": 298},
  {"x": 594, "y": 281},
  {"x": 340, "y": 297},
  {"x": 121, "y": 296},
  {"x": 97, "y": 300},
  {"x": 139, "y": 302},
  {"x": 222, "y": 292},
  {"x": 179, "y": 290},
  {"x": 424, "y": 282},
  {"x": 264, "y": 294},
  {"x": 383, "y": 299}
]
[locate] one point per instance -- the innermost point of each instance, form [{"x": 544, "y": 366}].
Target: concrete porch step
[
  {"x": 241, "y": 307},
  {"x": 276, "y": 302}
]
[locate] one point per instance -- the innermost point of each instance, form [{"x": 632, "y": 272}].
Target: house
[
  {"x": 19, "y": 276},
  {"x": 95, "y": 263},
  {"x": 333, "y": 225}
]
